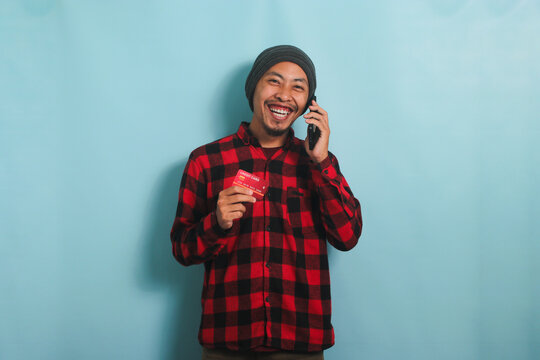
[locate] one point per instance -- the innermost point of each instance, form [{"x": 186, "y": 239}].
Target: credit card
[{"x": 249, "y": 181}]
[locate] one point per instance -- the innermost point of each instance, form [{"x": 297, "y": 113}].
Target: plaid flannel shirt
[{"x": 267, "y": 281}]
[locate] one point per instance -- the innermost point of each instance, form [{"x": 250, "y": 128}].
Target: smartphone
[{"x": 313, "y": 131}]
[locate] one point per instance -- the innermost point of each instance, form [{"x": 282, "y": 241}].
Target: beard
[{"x": 275, "y": 132}]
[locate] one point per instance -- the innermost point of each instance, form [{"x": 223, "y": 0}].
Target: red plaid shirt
[{"x": 266, "y": 283}]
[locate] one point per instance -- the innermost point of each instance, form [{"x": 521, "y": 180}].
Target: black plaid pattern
[{"x": 266, "y": 283}]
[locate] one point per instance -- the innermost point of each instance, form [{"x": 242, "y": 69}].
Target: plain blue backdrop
[{"x": 434, "y": 110}]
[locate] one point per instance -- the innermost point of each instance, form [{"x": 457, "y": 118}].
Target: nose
[{"x": 284, "y": 94}]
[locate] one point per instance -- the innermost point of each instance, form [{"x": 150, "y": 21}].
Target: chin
[{"x": 275, "y": 131}]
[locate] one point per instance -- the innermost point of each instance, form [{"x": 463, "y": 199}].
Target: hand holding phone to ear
[{"x": 317, "y": 117}]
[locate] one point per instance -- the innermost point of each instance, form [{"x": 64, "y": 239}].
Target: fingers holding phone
[{"x": 317, "y": 117}]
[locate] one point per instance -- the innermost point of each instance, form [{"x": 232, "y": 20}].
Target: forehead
[{"x": 288, "y": 70}]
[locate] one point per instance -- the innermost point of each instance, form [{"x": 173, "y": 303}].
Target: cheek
[
  {"x": 259, "y": 97},
  {"x": 302, "y": 102}
]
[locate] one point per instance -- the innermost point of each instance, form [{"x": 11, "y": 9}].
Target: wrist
[
  {"x": 218, "y": 226},
  {"x": 321, "y": 158}
]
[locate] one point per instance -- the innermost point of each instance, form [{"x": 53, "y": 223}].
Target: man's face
[{"x": 280, "y": 97}]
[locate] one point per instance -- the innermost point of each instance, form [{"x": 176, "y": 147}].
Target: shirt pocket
[{"x": 300, "y": 213}]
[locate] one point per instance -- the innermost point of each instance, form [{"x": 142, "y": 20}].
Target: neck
[{"x": 267, "y": 141}]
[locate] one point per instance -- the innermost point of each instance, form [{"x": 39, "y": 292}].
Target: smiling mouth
[{"x": 280, "y": 112}]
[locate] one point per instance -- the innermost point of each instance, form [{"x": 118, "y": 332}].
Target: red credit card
[{"x": 249, "y": 181}]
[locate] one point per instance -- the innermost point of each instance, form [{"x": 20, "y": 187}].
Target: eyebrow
[{"x": 281, "y": 76}]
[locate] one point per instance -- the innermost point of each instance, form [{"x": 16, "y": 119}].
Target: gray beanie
[{"x": 274, "y": 55}]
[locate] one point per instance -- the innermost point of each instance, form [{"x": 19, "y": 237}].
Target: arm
[
  {"x": 195, "y": 235},
  {"x": 198, "y": 233},
  {"x": 340, "y": 211}
]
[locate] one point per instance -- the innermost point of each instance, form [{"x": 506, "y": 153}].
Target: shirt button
[
  {"x": 268, "y": 265},
  {"x": 326, "y": 171},
  {"x": 268, "y": 228},
  {"x": 268, "y": 299}
]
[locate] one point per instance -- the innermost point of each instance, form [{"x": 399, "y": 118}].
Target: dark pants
[{"x": 221, "y": 354}]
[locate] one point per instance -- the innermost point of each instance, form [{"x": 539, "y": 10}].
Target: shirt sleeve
[
  {"x": 195, "y": 235},
  {"x": 341, "y": 214}
]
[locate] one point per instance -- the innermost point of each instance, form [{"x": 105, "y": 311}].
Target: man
[{"x": 266, "y": 291}]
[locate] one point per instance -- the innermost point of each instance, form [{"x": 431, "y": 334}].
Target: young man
[{"x": 266, "y": 291}]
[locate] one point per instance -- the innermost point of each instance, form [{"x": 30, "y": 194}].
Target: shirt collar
[{"x": 248, "y": 138}]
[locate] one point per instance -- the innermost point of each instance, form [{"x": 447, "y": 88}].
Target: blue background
[{"x": 434, "y": 114}]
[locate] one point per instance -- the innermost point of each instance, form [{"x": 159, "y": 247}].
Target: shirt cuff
[
  {"x": 211, "y": 227},
  {"x": 327, "y": 169}
]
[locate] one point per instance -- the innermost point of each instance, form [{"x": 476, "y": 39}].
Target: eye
[
  {"x": 273, "y": 81},
  {"x": 298, "y": 87}
]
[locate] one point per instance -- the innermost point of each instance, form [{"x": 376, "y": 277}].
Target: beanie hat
[{"x": 274, "y": 55}]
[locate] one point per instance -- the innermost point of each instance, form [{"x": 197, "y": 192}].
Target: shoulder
[
  {"x": 203, "y": 154},
  {"x": 302, "y": 157},
  {"x": 297, "y": 145},
  {"x": 298, "y": 148}
]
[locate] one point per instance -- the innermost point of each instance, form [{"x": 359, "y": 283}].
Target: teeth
[{"x": 280, "y": 111}]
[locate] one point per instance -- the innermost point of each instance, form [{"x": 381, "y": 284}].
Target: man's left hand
[{"x": 318, "y": 117}]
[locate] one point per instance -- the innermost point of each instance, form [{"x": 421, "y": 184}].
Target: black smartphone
[{"x": 313, "y": 131}]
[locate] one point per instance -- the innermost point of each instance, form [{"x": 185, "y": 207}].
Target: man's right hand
[{"x": 230, "y": 207}]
